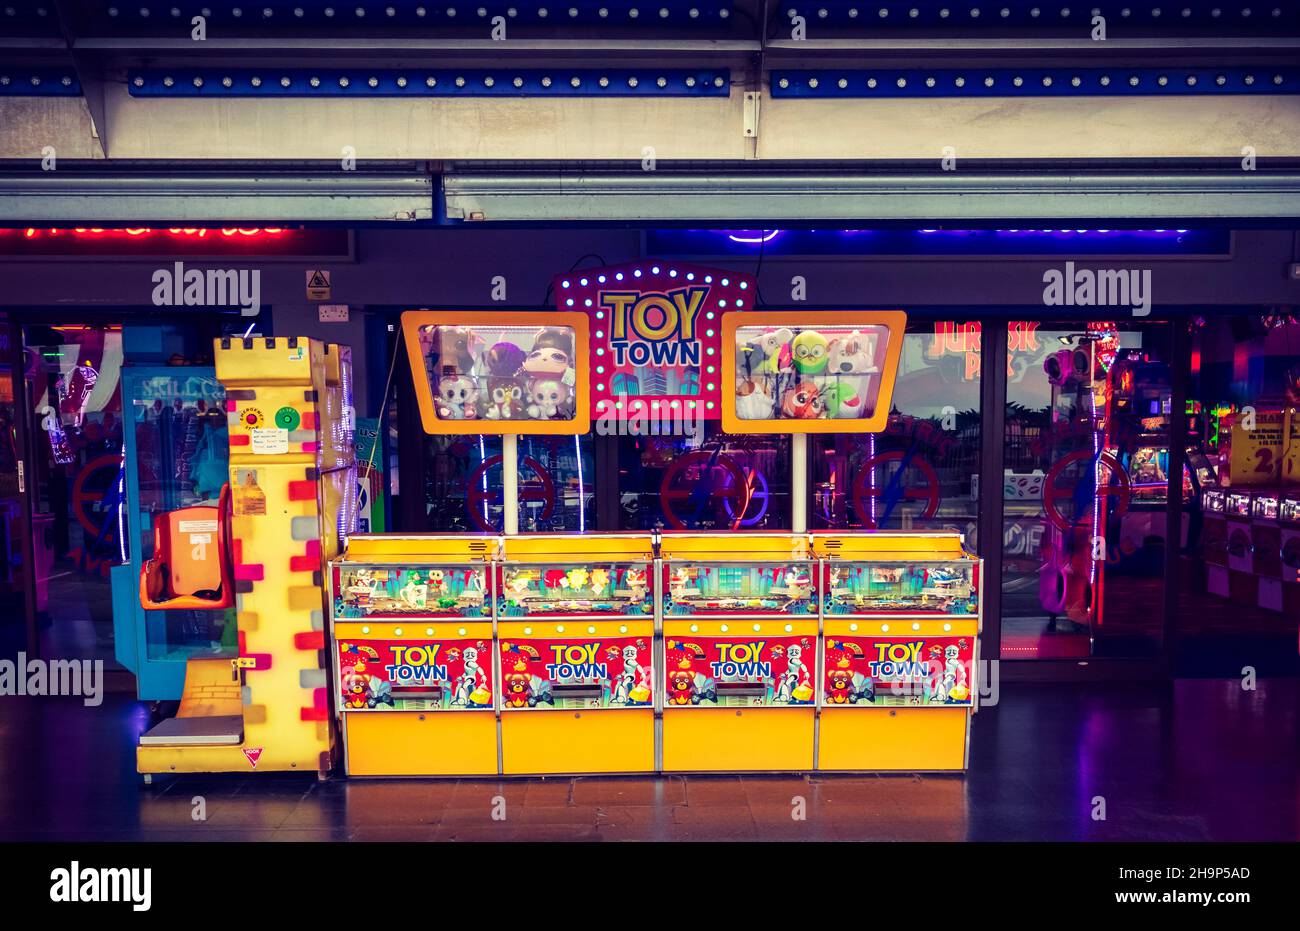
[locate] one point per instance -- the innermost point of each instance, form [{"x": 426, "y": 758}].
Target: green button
[{"x": 288, "y": 418}]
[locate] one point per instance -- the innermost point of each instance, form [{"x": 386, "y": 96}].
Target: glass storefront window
[
  {"x": 720, "y": 482},
  {"x": 78, "y": 522},
  {"x": 922, "y": 472},
  {"x": 463, "y": 487},
  {"x": 1086, "y": 449},
  {"x": 1240, "y": 595}
]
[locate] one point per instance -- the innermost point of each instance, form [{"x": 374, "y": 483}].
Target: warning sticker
[
  {"x": 269, "y": 441},
  {"x": 198, "y": 526},
  {"x": 318, "y": 284}
]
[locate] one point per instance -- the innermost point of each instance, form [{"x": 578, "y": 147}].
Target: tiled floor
[{"x": 1203, "y": 760}]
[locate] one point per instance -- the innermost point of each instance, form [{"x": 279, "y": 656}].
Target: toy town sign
[{"x": 655, "y": 333}]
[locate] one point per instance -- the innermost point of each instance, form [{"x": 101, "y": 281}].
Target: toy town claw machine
[
  {"x": 739, "y": 653},
  {"x": 576, "y": 628},
  {"x": 901, "y": 621},
  {"x": 414, "y": 665}
]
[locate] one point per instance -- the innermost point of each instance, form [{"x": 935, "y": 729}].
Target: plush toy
[
  {"x": 547, "y": 398},
  {"x": 551, "y": 355},
  {"x": 809, "y": 352},
  {"x": 457, "y": 355},
  {"x": 503, "y": 399},
  {"x": 850, "y": 365},
  {"x": 754, "y": 398},
  {"x": 504, "y": 360},
  {"x": 851, "y": 355},
  {"x": 803, "y": 402},
  {"x": 841, "y": 396},
  {"x": 457, "y": 398},
  {"x": 774, "y": 345}
]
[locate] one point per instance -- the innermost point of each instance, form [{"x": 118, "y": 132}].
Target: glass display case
[
  {"x": 587, "y": 589},
  {"x": 911, "y": 587},
  {"x": 738, "y": 588},
  {"x": 400, "y": 591},
  {"x": 1264, "y": 507},
  {"x": 1237, "y": 504}
]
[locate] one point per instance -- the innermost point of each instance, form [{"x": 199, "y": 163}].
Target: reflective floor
[{"x": 1203, "y": 760}]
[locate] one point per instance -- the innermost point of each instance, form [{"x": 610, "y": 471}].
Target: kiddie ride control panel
[
  {"x": 576, "y": 627},
  {"x": 415, "y": 666}
]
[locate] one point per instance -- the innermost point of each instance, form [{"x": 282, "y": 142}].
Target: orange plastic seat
[{"x": 190, "y": 566}]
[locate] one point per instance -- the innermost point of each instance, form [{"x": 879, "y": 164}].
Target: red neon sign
[{"x": 169, "y": 242}]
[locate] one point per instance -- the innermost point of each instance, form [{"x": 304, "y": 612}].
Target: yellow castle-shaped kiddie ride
[{"x": 537, "y": 654}]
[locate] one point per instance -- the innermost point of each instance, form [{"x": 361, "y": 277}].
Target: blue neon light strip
[
  {"x": 1034, "y": 82},
  {"x": 38, "y": 82},
  {"x": 1168, "y": 17},
  {"x": 674, "y": 243},
  {"x": 413, "y": 82},
  {"x": 468, "y": 13}
]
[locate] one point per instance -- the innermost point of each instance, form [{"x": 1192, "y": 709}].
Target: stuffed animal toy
[
  {"x": 457, "y": 350},
  {"x": 551, "y": 355},
  {"x": 503, "y": 399},
  {"x": 850, "y": 365},
  {"x": 775, "y": 348},
  {"x": 457, "y": 398},
  {"x": 841, "y": 396},
  {"x": 851, "y": 355},
  {"x": 803, "y": 402},
  {"x": 504, "y": 360},
  {"x": 754, "y": 398},
  {"x": 548, "y": 398},
  {"x": 809, "y": 352}
]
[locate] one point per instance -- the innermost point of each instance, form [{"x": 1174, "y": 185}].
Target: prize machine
[
  {"x": 800, "y": 652},
  {"x": 565, "y": 624},
  {"x": 286, "y": 508}
]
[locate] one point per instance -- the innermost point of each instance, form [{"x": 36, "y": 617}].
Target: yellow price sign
[{"x": 1257, "y": 452}]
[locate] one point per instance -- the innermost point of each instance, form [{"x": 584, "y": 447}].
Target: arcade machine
[
  {"x": 286, "y": 510},
  {"x": 902, "y": 615},
  {"x": 740, "y": 628},
  {"x": 518, "y": 630},
  {"x": 758, "y": 676},
  {"x": 414, "y": 664}
]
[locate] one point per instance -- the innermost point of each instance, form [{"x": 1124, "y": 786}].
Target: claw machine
[
  {"x": 414, "y": 666},
  {"x": 554, "y": 606},
  {"x": 576, "y": 627},
  {"x": 901, "y": 620},
  {"x": 740, "y": 627}
]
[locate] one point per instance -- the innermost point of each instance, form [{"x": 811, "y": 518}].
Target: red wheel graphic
[
  {"x": 94, "y": 483},
  {"x": 865, "y": 489},
  {"x": 724, "y": 483},
  {"x": 1117, "y": 487},
  {"x": 543, "y": 489}
]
